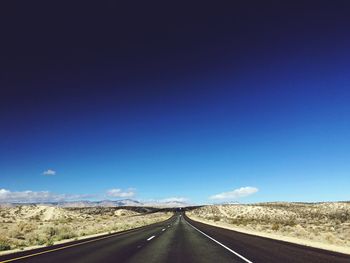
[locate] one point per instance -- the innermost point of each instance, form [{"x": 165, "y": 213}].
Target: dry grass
[
  {"x": 327, "y": 223},
  {"x": 32, "y": 225}
]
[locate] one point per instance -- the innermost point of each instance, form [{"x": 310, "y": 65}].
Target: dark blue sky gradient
[{"x": 184, "y": 99}]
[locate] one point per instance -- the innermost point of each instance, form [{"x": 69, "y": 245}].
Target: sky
[{"x": 201, "y": 102}]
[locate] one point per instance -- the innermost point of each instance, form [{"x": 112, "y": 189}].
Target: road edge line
[{"x": 229, "y": 249}]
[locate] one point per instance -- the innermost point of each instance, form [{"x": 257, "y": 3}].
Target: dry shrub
[
  {"x": 275, "y": 227},
  {"x": 4, "y": 244},
  {"x": 60, "y": 233},
  {"x": 216, "y": 218}
]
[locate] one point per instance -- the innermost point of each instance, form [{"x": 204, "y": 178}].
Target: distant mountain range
[{"x": 105, "y": 203}]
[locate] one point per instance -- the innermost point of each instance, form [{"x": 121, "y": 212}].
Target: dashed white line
[
  {"x": 150, "y": 238},
  {"x": 229, "y": 249},
  {"x": 69, "y": 246},
  {"x": 163, "y": 229}
]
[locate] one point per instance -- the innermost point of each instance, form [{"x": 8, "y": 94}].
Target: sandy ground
[
  {"x": 324, "y": 225},
  {"x": 33, "y": 226}
]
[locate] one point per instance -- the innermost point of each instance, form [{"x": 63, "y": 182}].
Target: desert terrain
[
  {"x": 29, "y": 226},
  {"x": 322, "y": 225}
]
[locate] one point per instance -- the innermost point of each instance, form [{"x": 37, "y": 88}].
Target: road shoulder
[{"x": 334, "y": 248}]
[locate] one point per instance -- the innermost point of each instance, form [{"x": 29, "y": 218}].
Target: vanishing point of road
[{"x": 177, "y": 239}]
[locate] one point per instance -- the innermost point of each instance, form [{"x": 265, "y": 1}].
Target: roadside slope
[
  {"x": 325, "y": 225},
  {"x": 262, "y": 249}
]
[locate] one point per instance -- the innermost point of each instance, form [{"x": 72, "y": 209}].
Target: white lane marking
[
  {"x": 163, "y": 229},
  {"x": 229, "y": 249},
  {"x": 150, "y": 238}
]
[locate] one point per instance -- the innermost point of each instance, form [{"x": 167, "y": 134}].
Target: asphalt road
[{"x": 178, "y": 239}]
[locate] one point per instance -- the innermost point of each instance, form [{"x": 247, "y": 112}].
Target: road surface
[{"x": 178, "y": 239}]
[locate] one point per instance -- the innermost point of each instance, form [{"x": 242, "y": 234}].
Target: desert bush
[
  {"x": 25, "y": 227},
  {"x": 17, "y": 234},
  {"x": 4, "y": 244},
  {"x": 290, "y": 222},
  {"x": 66, "y": 234},
  {"x": 50, "y": 242},
  {"x": 242, "y": 221},
  {"x": 52, "y": 231},
  {"x": 60, "y": 233},
  {"x": 40, "y": 241},
  {"x": 65, "y": 220},
  {"x": 275, "y": 227},
  {"x": 342, "y": 216},
  {"x": 216, "y": 218}
]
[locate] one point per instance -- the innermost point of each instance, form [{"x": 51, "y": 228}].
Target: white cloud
[
  {"x": 120, "y": 193},
  {"x": 40, "y": 196},
  {"x": 49, "y": 172},
  {"x": 235, "y": 194}
]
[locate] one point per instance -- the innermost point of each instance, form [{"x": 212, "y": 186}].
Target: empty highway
[{"x": 178, "y": 239}]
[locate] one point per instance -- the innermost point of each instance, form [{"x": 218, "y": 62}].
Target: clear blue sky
[{"x": 211, "y": 118}]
